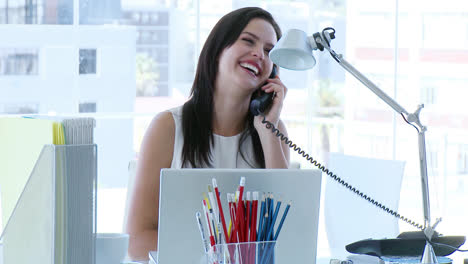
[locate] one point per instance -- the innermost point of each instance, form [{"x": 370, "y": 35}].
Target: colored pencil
[
  {"x": 248, "y": 216},
  {"x": 253, "y": 221},
  {"x": 275, "y": 214},
  {"x": 239, "y": 208},
  {"x": 202, "y": 232},
  {"x": 260, "y": 220},
  {"x": 220, "y": 208},
  {"x": 212, "y": 241},
  {"x": 282, "y": 221}
]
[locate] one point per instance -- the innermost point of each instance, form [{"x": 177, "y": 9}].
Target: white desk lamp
[{"x": 294, "y": 51}]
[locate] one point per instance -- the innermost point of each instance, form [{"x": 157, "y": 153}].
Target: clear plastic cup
[{"x": 242, "y": 253}]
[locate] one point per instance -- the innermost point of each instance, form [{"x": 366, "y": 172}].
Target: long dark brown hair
[{"x": 197, "y": 113}]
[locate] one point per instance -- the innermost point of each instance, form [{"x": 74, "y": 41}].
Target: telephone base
[{"x": 407, "y": 244}]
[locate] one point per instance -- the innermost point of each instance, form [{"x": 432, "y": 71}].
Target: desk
[
  {"x": 1, "y": 258},
  {"x": 364, "y": 259}
]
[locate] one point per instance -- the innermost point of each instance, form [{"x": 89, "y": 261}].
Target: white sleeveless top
[{"x": 224, "y": 152}]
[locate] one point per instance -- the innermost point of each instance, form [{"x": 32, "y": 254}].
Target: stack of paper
[
  {"x": 72, "y": 172},
  {"x": 79, "y": 131}
]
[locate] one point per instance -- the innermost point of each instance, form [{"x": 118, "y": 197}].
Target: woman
[{"x": 214, "y": 128}]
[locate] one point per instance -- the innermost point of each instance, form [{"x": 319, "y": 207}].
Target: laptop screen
[{"x": 179, "y": 239}]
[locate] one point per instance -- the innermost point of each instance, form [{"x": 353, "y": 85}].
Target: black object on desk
[{"x": 406, "y": 244}]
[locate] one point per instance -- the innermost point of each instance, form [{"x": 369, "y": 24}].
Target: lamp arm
[
  {"x": 412, "y": 119},
  {"x": 424, "y": 179}
]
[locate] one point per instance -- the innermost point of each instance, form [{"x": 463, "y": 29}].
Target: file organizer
[
  {"x": 54, "y": 221},
  {"x": 21, "y": 142}
]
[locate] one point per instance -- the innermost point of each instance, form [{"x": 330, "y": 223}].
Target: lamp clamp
[
  {"x": 317, "y": 37},
  {"x": 321, "y": 40}
]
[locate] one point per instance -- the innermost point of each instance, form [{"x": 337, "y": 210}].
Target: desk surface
[{"x": 320, "y": 260}]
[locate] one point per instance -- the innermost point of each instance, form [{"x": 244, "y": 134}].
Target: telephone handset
[{"x": 260, "y": 103}]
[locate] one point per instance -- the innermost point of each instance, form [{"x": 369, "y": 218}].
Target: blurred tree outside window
[{"x": 147, "y": 75}]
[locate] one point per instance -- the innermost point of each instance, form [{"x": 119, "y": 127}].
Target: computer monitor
[{"x": 181, "y": 196}]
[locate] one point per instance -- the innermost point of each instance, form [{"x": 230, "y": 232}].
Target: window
[
  {"x": 87, "y": 108},
  {"x": 36, "y": 12},
  {"x": 428, "y": 95},
  {"x": 87, "y": 61},
  {"x": 19, "y": 108},
  {"x": 16, "y": 61},
  {"x": 462, "y": 161}
]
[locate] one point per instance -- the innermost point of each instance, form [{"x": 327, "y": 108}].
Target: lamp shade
[{"x": 293, "y": 51}]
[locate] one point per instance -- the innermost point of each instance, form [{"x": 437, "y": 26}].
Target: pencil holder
[{"x": 243, "y": 253}]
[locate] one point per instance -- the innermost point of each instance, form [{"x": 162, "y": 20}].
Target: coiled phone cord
[{"x": 314, "y": 162}]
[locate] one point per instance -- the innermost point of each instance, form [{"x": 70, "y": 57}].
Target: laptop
[{"x": 179, "y": 239}]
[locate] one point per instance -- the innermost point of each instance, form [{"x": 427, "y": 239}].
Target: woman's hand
[
  {"x": 279, "y": 91},
  {"x": 275, "y": 151}
]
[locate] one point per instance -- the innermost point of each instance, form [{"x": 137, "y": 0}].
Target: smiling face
[{"x": 246, "y": 63}]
